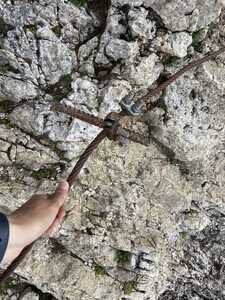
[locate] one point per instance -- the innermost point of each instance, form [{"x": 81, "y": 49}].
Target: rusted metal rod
[
  {"x": 76, "y": 113},
  {"x": 98, "y": 122}
]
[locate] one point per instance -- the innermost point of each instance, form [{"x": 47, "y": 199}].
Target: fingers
[
  {"x": 58, "y": 220},
  {"x": 61, "y": 193},
  {"x": 61, "y": 214}
]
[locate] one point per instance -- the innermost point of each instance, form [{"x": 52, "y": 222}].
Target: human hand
[{"x": 41, "y": 215}]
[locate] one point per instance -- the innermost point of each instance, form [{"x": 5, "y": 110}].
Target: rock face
[{"x": 142, "y": 223}]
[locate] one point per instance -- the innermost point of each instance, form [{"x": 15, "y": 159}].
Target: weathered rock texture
[{"x": 142, "y": 223}]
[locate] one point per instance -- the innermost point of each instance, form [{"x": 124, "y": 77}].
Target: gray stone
[
  {"x": 4, "y": 159},
  {"x": 115, "y": 90},
  {"x": 85, "y": 93},
  {"x": 142, "y": 222},
  {"x": 56, "y": 60},
  {"x": 7, "y": 58},
  {"x": 30, "y": 296},
  {"x": 78, "y": 17},
  {"x": 146, "y": 72},
  {"x": 16, "y": 90},
  {"x": 193, "y": 221},
  {"x": 140, "y": 26},
  {"x": 18, "y": 15},
  {"x": 177, "y": 44},
  {"x": 185, "y": 15},
  {"x": 119, "y": 49},
  {"x": 70, "y": 35},
  {"x": 28, "y": 119}
]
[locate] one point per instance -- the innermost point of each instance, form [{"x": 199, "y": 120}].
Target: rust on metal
[{"x": 114, "y": 132}]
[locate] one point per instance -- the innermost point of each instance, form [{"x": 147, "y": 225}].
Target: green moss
[
  {"x": 5, "y": 68},
  {"x": 31, "y": 28},
  {"x": 129, "y": 287},
  {"x": 212, "y": 27},
  {"x": 57, "y": 30},
  {"x": 198, "y": 36},
  {"x": 184, "y": 235},
  {"x": 122, "y": 257},
  {"x": 60, "y": 154},
  {"x": 66, "y": 79},
  {"x": 78, "y": 2},
  {"x": 195, "y": 37},
  {"x": 6, "y": 106},
  {"x": 99, "y": 270},
  {"x": 171, "y": 60},
  {"x": 61, "y": 89},
  {"x": 44, "y": 173},
  {"x": 8, "y": 284},
  {"x": 6, "y": 122}
]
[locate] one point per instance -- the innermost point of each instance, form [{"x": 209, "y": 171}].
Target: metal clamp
[
  {"x": 112, "y": 126},
  {"x": 129, "y": 106},
  {"x": 116, "y": 132},
  {"x": 109, "y": 122}
]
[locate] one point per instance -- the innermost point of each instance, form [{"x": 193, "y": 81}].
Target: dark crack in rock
[{"x": 201, "y": 271}]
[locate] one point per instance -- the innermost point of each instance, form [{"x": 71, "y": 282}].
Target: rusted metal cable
[
  {"x": 98, "y": 122},
  {"x": 84, "y": 157},
  {"x": 111, "y": 133},
  {"x": 71, "y": 179},
  {"x": 141, "y": 102}
]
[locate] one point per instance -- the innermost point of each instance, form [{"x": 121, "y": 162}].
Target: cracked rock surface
[{"x": 142, "y": 223}]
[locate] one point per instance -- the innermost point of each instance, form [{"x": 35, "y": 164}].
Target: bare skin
[{"x": 39, "y": 216}]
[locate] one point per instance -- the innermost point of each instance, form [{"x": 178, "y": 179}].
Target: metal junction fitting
[{"x": 129, "y": 106}]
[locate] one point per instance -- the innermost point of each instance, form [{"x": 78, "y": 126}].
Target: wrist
[
  {"x": 15, "y": 244},
  {"x": 17, "y": 233},
  {"x": 4, "y": 235}
]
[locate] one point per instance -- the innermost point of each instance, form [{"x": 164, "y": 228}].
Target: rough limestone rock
[
  {"x": 119, "y": 49},
  {"x": 176, "y": 44},
  {"x": 139, "y": 24},
  {"x": 142, "y": 222}
]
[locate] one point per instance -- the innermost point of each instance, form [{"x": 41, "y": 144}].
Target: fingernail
[{"x": 63, "y": 185}]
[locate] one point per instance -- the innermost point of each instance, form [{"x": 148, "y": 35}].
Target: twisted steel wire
[
  {"x": 86, "y": 154},
  {"x": 71, "y": 179},
  {"x": 178, "y": 74},
  {"x": 106, "y": 132}
]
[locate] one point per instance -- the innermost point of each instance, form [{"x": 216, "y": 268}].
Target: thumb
[{"x": 61, "y": 193}]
